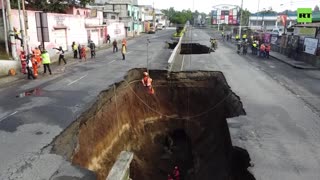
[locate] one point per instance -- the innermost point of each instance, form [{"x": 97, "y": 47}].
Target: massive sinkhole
[{"x": 183, "y": 123}]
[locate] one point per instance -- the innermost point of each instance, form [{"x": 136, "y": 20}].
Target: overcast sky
[{"x": 251, "y": 5}]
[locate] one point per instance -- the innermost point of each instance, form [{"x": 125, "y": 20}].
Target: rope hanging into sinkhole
[{"x": 182, "y": 118}]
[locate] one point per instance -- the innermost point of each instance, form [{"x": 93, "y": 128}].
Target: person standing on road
[
  {"x": 124, "y": 51},
  {"x": 23, "y": 59},
  {"x": 29, "y": 67},
  {"x": 75, "y": 50},
  {"x": 108, "y": 38},
  {"x": 262, "y": 50},
  {"x": 61, "y": 55},
  {"x": 92, "y": 47},
  {"x": 83, "y": 53},
  {"x": 268, "y": 48},
  {"x": 115, "y": 45},
  {"x": 46, "y": 61},
  {"x": 79, "y": 50}
]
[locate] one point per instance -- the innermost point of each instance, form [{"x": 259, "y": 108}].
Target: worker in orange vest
[
  {"x": 176, "y": 173},
  {"x": 170, "y": 177},
  {"x": 147, "y": 82},
  {"x": 124, "y": 41},
  {"x": 23, "y": 59},
  {"x": 34, "y": 65},
  {"x": 37, "y": 54}
]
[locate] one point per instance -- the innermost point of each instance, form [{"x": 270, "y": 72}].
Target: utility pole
[
  {"x": 257, "y": 12},
  {"x": 21, "y": 26},
  {"x": 154, "y": 17},
  {"x": 26, "y": 27},
  {"x": 5, "y": 27},
  {"x": 240, "y": 19},
  {"x": 12, "y": 38}
]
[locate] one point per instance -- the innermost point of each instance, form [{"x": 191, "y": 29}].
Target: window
[
  {"x": 128, "y": 13},
  {"x": 105, "y": 15},
  {"x": 113, "y": 17}
]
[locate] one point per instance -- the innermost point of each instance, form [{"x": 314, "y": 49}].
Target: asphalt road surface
[
  {"x": 281, "y": 130},
  {"x": 29, "y": 123}
]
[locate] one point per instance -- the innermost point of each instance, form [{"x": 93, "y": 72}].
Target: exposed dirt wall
[{"x": 126, "y": 117}]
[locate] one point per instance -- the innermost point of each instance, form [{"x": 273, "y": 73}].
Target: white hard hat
[{"x": 146, "y": 73}]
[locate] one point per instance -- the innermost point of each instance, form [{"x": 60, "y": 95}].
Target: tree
[
  {"x": 57, "y": 6},
  {"x": 316, "y": 8},
  {"x": 245, "y": 17}
]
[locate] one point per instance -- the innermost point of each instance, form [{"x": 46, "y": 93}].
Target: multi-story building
[
  {"x": 123, "y": 11},
  {"x": 269, "y": 21}
]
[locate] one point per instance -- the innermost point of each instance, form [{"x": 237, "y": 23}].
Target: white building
[{"x": 264, "y": 21}]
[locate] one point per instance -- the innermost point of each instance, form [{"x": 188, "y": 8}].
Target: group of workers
[
  {"x": 32, "y": 61},
  {"x": 261, "y": 49},
  {"x": 175, "y": 174}
]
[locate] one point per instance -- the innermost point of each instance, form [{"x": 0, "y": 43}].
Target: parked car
[
  {"x": 159, "y": 26},
  {"x": 277, "y": 31}
]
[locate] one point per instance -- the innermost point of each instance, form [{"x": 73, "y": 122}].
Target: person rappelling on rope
[{"x": 147, "y": 82}]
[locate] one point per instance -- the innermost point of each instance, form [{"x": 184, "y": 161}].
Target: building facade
[{"x": 269, "y": 21}]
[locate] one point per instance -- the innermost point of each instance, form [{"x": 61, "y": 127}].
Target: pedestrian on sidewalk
[
  {"x": 75, "y": 50},
  {"x": 29, "y": 67},
  {"x": 115, "y": 45},
  {"x": 124, "y": 51},
  {"x": 46, "y": 61},
  {"x": 61, "y": 55}
]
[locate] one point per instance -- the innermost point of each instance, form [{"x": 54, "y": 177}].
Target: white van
[{"x": 277, "y": 31}]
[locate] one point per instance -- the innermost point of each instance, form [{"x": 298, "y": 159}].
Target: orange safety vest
[
  {"x": 262, "y": 47},
  {"x": 147, "y": 82},
  {"x": 268, "y": 48},
  {"x": 35, "y": 65},
  {"x": 124, "y": 41}
]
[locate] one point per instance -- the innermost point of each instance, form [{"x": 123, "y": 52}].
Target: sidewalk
[
  {"x": 5, "y": 80},
  {"x": 291, "y": 62}
]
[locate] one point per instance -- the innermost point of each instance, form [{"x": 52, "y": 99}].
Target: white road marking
[
  {"x": 272, "y": 66},
  {"x": 5, "y": 117},
  {"x": 129, "y": 52},
  {"x": 182, "y": 62},
  {"x": 77, "y": 79},
  {"x": 111, "y": 62}
]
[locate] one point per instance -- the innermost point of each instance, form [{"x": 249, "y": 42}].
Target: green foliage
[
  {"x": 245, "y": 17},
  {"x": 57, "y": 6},
  {"x": 180, "y": 17}
]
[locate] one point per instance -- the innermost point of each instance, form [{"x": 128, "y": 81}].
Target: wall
[
  {"x": 7, "y": 64},
  {"x": 74, "y": 26}
]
